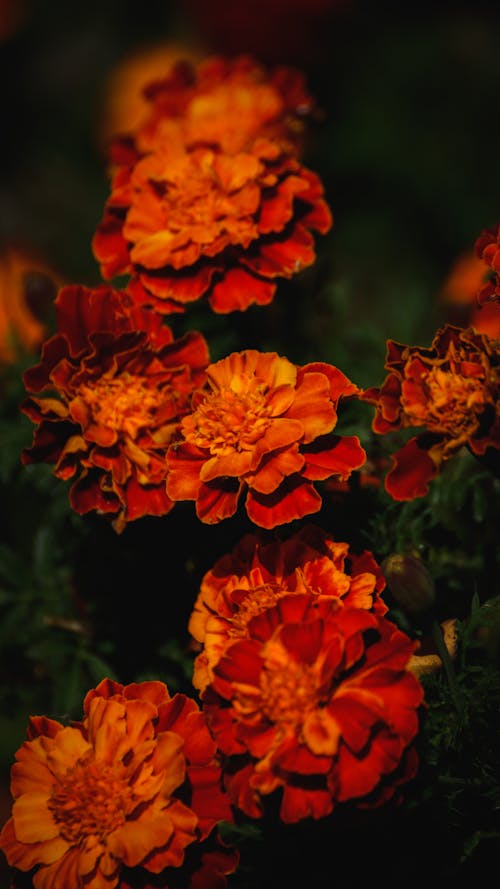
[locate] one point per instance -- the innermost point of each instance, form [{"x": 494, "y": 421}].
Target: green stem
[{"x": 444, "y": 654}]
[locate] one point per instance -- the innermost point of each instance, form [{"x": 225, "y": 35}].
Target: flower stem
[{"x": 444, "y": 654}]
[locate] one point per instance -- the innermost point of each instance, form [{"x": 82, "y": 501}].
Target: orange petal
[
  {"x": 294, "y": 499},
  {"x": 274, "y": 468},
  {"x": 218, "y": 500},
  {"x": 33, "y": 820},
  {"x": 321, "y": 733}
]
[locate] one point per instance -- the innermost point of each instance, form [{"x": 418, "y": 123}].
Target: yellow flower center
[
  {"x": 451, "y": 403},
  {"x": 289, "y": 689},
  {"x": 126, "y": 404},
  {"x": 255, "y": 602},
  {"x": 228, "y": 421},
  {"x": 92, "y": 799}
]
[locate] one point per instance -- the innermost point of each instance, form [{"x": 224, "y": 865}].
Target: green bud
[{"x": 409, "y": 582}]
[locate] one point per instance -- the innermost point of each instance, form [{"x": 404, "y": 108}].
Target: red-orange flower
[
  {"x": 452, "y": 390},
  {"x": 258, "y": 573},
  {"x": 487, "y": 248},
  {"x": 468, "y": 292},
  {"x": 133, "y": 784},
  {"x": 114, "y": 385},
  {"x": 199, "y": 222},
  {"x": 317, "y": 702},
  {"x": 224, "y": 103},
  {"x": 263, "y": 426}
]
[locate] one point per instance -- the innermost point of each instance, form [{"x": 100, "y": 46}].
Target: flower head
[
  {"x": 196, "y": 222},
  {"x": 258, "y": 573},
  {"x": 316, "y": 702},
  {"x": 133, "y": 784},
  {"x": 115, "y": 384},
  {"x": 225, "y": 103},
  {"x": 452, "y": 390},
  {"x": 263, "y": 426}
]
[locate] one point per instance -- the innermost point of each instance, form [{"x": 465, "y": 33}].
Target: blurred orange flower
[
  {"x": 317, "y": 702},
  {"x": 27, "y": 289},
  {"x": 452, "y": 390},
  {"x": 224, "y": 103},
  {"x": 199, "y": 223},
  {"x": 259, "y": 573},
  {"x": 263, "y": 426},
  {"x": 125, "y": 107},
  {"x": 119, "y": 789},
  {"x": 487, "y": 248},
  {"x": 116, "y": 384},
  {"x": 465, "y": 292}
]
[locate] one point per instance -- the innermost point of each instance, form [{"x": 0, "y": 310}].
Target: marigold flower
[
  {"x": 115, "y": 385},
  {"x": 258, "y": 573},
  {"x": 225, "y": 103},
  {"x": 27, "y": 289},
  {"x": 263, "y": 426},
  {"x": 316, "y": 702},
  {"x": 452, "y": 390},
  {"x": 469, "y": 291},
  {"x": 192, "y": 223},
  {"x": 133, "y": 784},
  {"x": 487, "y": 248}
]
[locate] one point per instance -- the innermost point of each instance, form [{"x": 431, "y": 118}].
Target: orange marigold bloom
[
  {"x": 452, "y": 390},
  {"x": 470, "y": 291},
  {"x": 316, "y": 702},
  {"x": 116, "y": 385},
  {"x": 263, "y": 426},
  {"x": 199, "y": 222},
  {"x": 27, "y": 289},
  {"x": 487, "y": 248},
  {"x": 225, "y": 103},
  {"x": 133, "y": 784},
  {"x": 259, "y": 573}
]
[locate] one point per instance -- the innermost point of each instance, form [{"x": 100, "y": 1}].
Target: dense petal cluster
[
  {"x": 487, "y": 248},
  {"x": 317, "y": 702},
  {"x": 452, "y": 390},
  {"x": 114, "y": 386},
  {"x": 225, "y": 103},
  {"x": 209, "y": 199},
  {"x": 258, "y": 573},
  {"x": 263, "y": 427},
  {"x": 131, "y": 785}
]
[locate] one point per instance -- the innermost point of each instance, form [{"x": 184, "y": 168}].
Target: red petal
[
  {"x": 218, "y": 500},
  {"x": 294, "y": 499},
  {"x": 238, "y": 290},
  {"x": 412, "y": 471},
  {"x": 333, "y": 455}
]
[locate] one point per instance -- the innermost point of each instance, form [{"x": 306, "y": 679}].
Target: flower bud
[{"x": 409, "y": 582}]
